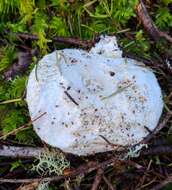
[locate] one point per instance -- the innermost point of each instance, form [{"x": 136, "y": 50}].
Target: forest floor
[{"x": 30, "y": 29}]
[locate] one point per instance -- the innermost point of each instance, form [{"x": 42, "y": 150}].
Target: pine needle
[
  {"x": 116, "y": 92},
  {"x": 11, "y": 101}
]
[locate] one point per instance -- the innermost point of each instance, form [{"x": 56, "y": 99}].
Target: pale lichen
[
  {"x": 134, "y": 151},
  {"x": 51, "y": 162},
  {"x": 43, "y": 186}
]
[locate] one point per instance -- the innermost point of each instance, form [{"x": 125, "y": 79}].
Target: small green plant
[
  {"x": 163, "y": 18},
  {"x": 7, "y": 55},
  {"x": 16, "y": 164},
  {"x": 12, "y": 120},
  {"x": 39, "y": 27}
]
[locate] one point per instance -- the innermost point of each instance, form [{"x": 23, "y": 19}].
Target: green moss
[
  {"x": 7, "y": 56},
  {"x": 12, "y": 120}
]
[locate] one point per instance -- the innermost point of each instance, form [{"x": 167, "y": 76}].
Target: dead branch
[
  {"x": 65, "y": 40},
  {"x": 82, "y": 170},
  {"x": 75, "y": 41},
  {"x": 30, "y": 186},
  {"x": 28, "y": 152},
  {"x": 20, "y": 152},
  {"x": 140, "y": 59},
  {"x": 148, "y": 24},
  {"x": 108, "y": 183},
  {"x": 148, "y": 62},
  {"x": 159, "y": 150},
  {"x": 157, "y": 129},
  {"x": 163, "y": 183},
  {"x": 97, "y": 179}
]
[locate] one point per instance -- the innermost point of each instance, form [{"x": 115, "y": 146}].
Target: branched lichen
[
  {"x": 51, "y": 162},
  {"x": 135, "y": 151},
  {"x": 43, "y": 186}
]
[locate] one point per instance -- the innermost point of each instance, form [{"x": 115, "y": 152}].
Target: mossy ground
[{"x": 84, "y": 19}]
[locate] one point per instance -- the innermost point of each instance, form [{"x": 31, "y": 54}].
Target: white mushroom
[{"x": 91, "y": 97}]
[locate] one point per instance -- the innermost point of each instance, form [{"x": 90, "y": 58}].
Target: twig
[
  {"x": 148, "y": 24},
  {"x": 22, "y": 127},
  {"x": 97, "y": 179},
  {"x": 82, "y": 170},
  {"x": 144, "y": 176},
  {"x": 112, "y": 144},
  {"x": 27, "y": 152},
  {"x": 108, "y": 183},
  {"x": 75, "y": 41},
  {"x": 157, "y": 129},
  {"x": 60, "y": 39},
  {"x": 163, "y": 183},
  {"x": 153, "y": 64},
  {"x": 20, "y": 152},
  {"x": 30, "y": 186},
  {"x": 108, "y": 142},
  {"x": 147, "y": 62},
  {"x": 11, "y": 101},
  {"x": 158, "y": 150},
  {"x": 70, "y": 97}
]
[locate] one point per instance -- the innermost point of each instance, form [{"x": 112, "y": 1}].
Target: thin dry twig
[
  {"x": 65, "y": 40},
  {"x": 111, "y": 144},
  {"x": 163, "y": 183},
  {"x": 20, "y": 152},
  {"x": 11, "y": 101},
  {"x": 108, "y": 183},
  {"x": 148, "y": 24},
  {"x": 30, "y": 186},
  {"x": 157, "y": 129},
  {"x": 82, "y": 170},
  {"x": 158, "y": 150},
  {"x": 97, "y": 179},
  {"x": 71, "y": 98},
  {"x": 145, "y": 173},
  {"x": 23, "y": 126},
  {"x": 28, "y": 152}
]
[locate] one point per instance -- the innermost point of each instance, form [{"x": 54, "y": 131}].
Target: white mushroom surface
[{"x": 93, "y": 97}]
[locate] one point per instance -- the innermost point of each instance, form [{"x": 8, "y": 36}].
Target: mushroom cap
[{"x": 92, "y": 98}]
